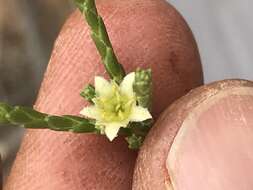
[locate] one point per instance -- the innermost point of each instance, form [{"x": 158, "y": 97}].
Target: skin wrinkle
[{"x": 70, "y": 161}]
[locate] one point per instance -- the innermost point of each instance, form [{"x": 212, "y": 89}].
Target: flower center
[{"x": 116, "y": 107}]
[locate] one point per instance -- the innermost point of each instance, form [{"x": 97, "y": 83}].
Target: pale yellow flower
[{"x": 115, "y": 105}]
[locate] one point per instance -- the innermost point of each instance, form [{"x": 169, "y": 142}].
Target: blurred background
[{"x": 28, "y": 29}]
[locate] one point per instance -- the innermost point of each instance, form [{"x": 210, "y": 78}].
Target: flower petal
[
  {"x": 112, "y": 129},
  {"x": 102, "y": 86},
  {"x": 91, "y": 112},
  {"x": 126, "y": 85},
  {"x": 140, "y": 114}
]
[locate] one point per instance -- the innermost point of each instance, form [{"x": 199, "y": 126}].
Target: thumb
[
  {"x": 204, "y": 141},
  {"x": 142, "y": 35}
]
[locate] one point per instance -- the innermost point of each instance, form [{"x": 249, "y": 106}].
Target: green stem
[
  {"x": 89, "y": 93},
  {"x": 143, "y": 87},
  {"x": 101, "y": 39},
  {"x": 29, "y": 118}
]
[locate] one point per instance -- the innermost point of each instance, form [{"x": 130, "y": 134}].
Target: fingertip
[{"x": 203, "y": 141}]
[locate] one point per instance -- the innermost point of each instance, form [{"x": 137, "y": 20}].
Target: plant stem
[
  {"x": 143, "y": 87},
  {"x": 101, "y": 39},
  {"x": 29, "y": 118},
  {"x": 89, "y": 93}
]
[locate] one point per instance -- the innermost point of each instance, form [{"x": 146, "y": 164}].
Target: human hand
[
  {"x": 202, "y": 142},
  {"x": 145, "y": 34}
]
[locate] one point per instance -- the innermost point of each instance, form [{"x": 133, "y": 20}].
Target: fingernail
[{"x": 214, "y": 147}]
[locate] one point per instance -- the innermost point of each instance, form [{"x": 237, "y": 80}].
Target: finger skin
[
  {"x": 173, "y": 152},
  {"x": 144, "y": 33}
]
